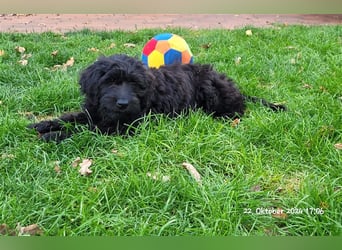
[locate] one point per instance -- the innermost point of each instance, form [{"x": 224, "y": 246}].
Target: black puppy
[{"x": 119, "y": 90}]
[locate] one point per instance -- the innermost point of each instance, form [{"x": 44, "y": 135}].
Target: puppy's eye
[
  {"x": 118, "y": 83},
  {"x": 142, "y": 86}
]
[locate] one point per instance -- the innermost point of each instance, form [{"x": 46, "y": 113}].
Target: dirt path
[{"x": 71, "y": 22}]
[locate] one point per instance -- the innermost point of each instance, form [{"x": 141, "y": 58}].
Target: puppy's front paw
[
  {"x": 55, "y": 136},
  {"x": 45, "y": 126},
  {"x": 278, "y": 107}
]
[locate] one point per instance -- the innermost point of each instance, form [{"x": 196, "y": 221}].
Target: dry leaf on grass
[
  {"x": 6, "y": 230},
  {"x": 307, "y": 86},
  {"x": 2, "y": 52},
  {"x": 114, "y": 151},
  {"x": 129, "y": 45},
  {"x": 76, "y": 162},
  {"x": 238, "y": 60},
  {"x": 235, "y": 122},
  {"x": 3, "y": 229},
  {"x": 29, "y": 230},
  {"x": 112, "y": 45},
  {"x": 323, "y": 89},
  {"x": 338, "y": 146},
  {"x": 20, "y": 49},
  {"x": 193, "y": 171},
  {"x": 249, "y": 33},
  {"x": 85, "y": 164},
  {"x": 165, "y": 178},
  {"x": 206, "y": 45},
  {"x": 117, "y": 153},
  {"x": 57, "y": 167},
  {"x": 65, "y": 65},
  {"x": 26, "y": 56},
  {"x": 70, "y": 62},
  {"x": 23, "y": 62},
  {"x": 279, "y": 214},
  {"x": 54, "y": 53},
  {"x": 93, "y": 50},
  {"x": 158, "y": 177},
  {"x": 324, "y": 205},
  {"x": 7, "y": 156}
]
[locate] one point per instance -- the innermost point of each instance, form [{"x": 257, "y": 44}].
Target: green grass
[{"x": 270, "y": 160}]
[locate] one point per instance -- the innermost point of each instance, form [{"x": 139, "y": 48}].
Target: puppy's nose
[{"x": 122, "y": 103}]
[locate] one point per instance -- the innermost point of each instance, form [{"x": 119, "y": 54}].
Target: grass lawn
[{"x": 289, "y": 162}]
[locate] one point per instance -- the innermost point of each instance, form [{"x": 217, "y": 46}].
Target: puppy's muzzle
[{"x": 122, "y": 104}]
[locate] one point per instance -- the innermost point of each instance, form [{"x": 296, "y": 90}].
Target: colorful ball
[{"x": 166, "y": 49}]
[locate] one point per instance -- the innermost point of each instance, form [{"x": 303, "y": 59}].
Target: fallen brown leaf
[
  {"x": 206, "y": 45},
  {"x": 65, "y": 65},
  {"x": 324, "y": 205},
  {"x": 54, "y": 53},
  {"x": 2, "y": 52},
  {"x": 93, "y": 50},
  {"x": 114, "y": 151},
  {"x": 70, "y": 62},
  {"x": 129, "y": 45},
  {"x": 153, "y": 176},
  {"x": 323, "y": 89},
  {"x": 29, "y": 230},
  {"x": 238, "y": 60},
  {"x": 57, "y": 167},
  {"x": 117, "y": 152},
  {"x": 299, "y": 55},
  {"x": 279, "y": 214},
  {"x": 56, "y": 67},
  {"x": 76, "y": 162},
  {"x": 4, "y": 229},
  {"x": 165, "y": 178},
  {"x": 23, "y": 62},
  {"x": 193, "y": 171},
  {"x": 158, "y": 177},
  {"x": 85, "y": 164},
  {"x": 235, "y": 122},
  {"x": 7, "y": 156},
  {"x": 249, "y": 33},
  {"x": 307, "y": 86},
  {"x": 20, "y": 49},
  {"x": 338, "y": 146},
  {"x": 26, "y": 56}
]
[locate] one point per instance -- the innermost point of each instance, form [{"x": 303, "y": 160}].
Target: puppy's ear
[
  {"x": 90, "y": 81},
  {"x": 90, "y": 77}
]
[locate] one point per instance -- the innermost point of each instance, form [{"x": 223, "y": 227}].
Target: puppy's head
[{"x": 116, "y": 87}]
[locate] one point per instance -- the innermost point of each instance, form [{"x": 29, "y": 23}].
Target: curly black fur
[{"x": 119, "y": 90}]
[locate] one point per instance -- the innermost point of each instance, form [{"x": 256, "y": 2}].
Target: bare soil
[{"x": 27, "y": 23}]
